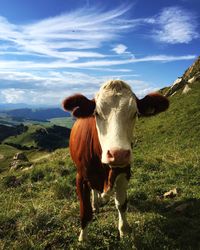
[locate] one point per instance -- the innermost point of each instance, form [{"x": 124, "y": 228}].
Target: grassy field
[
  {"x": 63, "y": 121},
  {"x": 39, "y": 208}
]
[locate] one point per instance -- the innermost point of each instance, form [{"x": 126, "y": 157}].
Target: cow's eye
[
  {"x": 136, "y": 114},
  {"x": 96, "y": 113}
]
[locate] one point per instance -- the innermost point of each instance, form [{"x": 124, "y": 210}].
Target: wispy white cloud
[
  {"x": 120, "y": 49},
  {"x": 75, "y": 35},
  {"x": 175, "y": 25},
  {"x": 50, "y": 96},
  {"x": 91, "y": 64},
  {"x": 55, "y": 37}
]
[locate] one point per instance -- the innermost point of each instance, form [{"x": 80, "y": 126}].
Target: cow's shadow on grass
[{"x": 174, "y": 223}]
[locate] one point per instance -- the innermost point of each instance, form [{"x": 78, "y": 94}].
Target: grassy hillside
[
  {"x": 43, "y": 137},
  {"x": 6, "y": 154},
  {"x": 39, "y": 209},
  {"x": 7, "y": 131}
]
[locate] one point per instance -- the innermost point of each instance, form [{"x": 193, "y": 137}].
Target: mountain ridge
[
  {"x": 37, "y": 114},
  {"x": 186, "y": 81}
]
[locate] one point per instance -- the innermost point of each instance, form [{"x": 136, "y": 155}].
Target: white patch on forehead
[
  {"x": 114, "y": 94},
  {"x": 116, "y": 111},
  {"x": 114, "y": 87}
]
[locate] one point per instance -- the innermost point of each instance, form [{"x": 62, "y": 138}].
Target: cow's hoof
[
  {"x": 124, "y": 230},
  {"x": 83, "y": 236},
  {"x": 95, "y": 210},
  {"x": 82, "y": 239}
]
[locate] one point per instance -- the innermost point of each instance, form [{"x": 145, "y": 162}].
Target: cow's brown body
[{"x": 85, "y": 151}]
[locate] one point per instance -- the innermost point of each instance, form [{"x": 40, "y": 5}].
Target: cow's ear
[
  {"x": 152, "y": 104},
  {"x": 79, "y": 105}
]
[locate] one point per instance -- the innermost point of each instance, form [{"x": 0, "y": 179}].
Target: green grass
[
  {"x": 39, "y": 208},
  {"x": 25, "y": 139},
  {"x": 63, "y": 121}
]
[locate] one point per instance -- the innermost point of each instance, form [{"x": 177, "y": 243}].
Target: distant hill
[
  {"x": 35, "y": 137},
  {"x": 52, "y": 138},
  {"x": 42, "y": 114},
  {"x": 9, "y": 106},
  {"x": 7, "y": 131}
]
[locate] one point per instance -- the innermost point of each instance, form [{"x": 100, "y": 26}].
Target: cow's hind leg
[
  {"x": 121, "y": 203},
  {"x": 83, "y": 192}
]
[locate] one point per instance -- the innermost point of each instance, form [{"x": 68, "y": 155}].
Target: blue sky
[{"x": 50, "y": 49}]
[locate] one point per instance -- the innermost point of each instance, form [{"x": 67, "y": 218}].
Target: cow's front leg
[
  {"x": 121, "y": 203},
  {"x": 83, "y": 192},
  {"x": 95, "y": 201}
]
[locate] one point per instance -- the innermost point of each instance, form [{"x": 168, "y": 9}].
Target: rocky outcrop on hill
[
  {"x": 20, "y": 161},
  {"x": 193, "y": 72},
  {"x": 184, "y": 83},
  {"x": 177, "y": 84}
]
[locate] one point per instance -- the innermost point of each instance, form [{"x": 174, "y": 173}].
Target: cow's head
[{"x": 116, "y": 109}]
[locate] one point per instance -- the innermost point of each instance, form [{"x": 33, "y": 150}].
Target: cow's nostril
[
  {"x": 127, "y": 153},
  {"x": 109, "y": 154}
]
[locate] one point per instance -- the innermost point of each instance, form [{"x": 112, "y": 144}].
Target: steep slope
[
  {"x": 179, "y": 126},
  {"x": 193, "y": 71},
  {"x": 186, "y": 82}
]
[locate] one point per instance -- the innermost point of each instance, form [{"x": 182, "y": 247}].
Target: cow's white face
[
  {"x": 116, "y": 113},
  {"x": 115, "y": 107}
]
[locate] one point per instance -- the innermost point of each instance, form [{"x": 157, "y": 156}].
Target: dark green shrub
[
  {"x": 11, "y": 181},
  {"x": 64, "y": 171},
  {"x": 8, "y": 226},
  {"x": 37, "y": 174}
]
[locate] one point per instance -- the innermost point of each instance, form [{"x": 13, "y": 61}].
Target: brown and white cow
[{"x": 100, "y": 145}]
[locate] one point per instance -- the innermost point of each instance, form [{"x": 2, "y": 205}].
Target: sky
[{"x": 50, "y": 49}]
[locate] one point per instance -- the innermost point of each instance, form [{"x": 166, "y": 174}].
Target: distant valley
[
  {"x": 32, "y": 130},
  {"x": 36, "y": 114}
]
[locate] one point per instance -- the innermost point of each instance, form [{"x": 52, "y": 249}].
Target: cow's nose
[{"x": 118, "y": 156}]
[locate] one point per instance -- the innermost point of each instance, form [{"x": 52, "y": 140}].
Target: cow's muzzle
[{"x": 118, "y": 157}]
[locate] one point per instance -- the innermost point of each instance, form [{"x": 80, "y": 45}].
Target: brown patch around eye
[
  {"x": 137, "y": 114},
  {"x": 133, "y": 116},
  {"x": 96, "y": 113}
]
